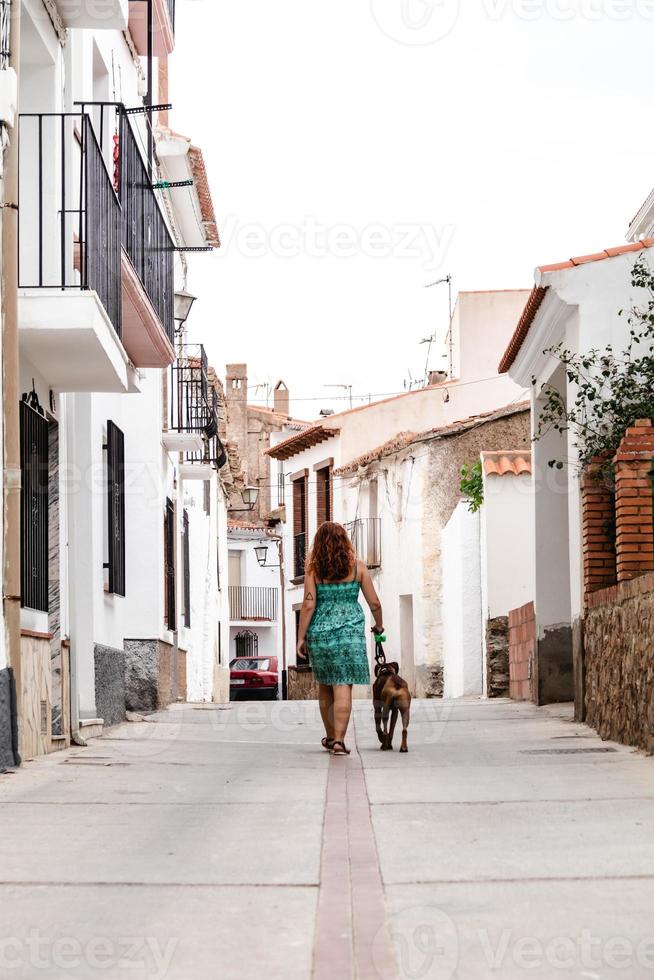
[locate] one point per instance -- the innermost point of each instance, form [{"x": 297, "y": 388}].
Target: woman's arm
[
  {"x": 371, "y": 597},
  {"x": 306, "y": 613}
]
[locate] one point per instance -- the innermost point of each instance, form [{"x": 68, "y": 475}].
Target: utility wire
[{"x": 446, "y": 386}]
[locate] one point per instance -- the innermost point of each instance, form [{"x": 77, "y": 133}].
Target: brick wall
[
  {"x": 633, "y": 502},
  {"x": 598, "y": 531},
  {"x": 522, "y": 653}
]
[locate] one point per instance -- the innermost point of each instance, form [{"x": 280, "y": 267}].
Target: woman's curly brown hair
[{"x": 332, "y": 556}]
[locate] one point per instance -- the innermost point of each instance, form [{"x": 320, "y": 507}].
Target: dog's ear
[{"x": 395, "y": 666}]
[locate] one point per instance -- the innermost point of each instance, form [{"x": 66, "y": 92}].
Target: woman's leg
[
  {"x": 326, "y": 702},
  {"x": 342, "y": 710}
]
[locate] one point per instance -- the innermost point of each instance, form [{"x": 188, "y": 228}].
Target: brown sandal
[
  {"x": 342, "y": 751},
  {"x": 327, "y": 743}
]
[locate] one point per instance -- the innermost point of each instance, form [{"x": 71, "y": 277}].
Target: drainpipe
[
  {"x": 282, "y": 602},
  {"x": 10, "y": 384}
]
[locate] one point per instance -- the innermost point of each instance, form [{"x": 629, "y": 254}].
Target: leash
[{"x": 380, "y": 656}]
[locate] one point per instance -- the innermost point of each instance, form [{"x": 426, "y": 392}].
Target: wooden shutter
[
  {"x": 300, "y": 504},
  {"x": 169, "y": 565},
  {"x": 324, "y": 509},
  {"x": 186, "y": 558},
  {"x": 34, "y": 506},
  {"x": 116, "y": 509}
]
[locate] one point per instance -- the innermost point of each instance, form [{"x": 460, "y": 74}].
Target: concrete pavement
[{"x": 221, "y": 841}]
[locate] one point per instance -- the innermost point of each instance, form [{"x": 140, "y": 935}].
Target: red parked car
[{"x": 252, "y": 677}]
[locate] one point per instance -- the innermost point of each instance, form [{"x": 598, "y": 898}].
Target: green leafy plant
[
  {"x": 472, "y": 485},
  {"x": 610, "y": 389}
]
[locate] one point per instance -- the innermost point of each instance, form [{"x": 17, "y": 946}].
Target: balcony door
[{"x": 234, "y": 569}]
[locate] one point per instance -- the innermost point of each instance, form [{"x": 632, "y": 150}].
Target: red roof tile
[
  {"x": 302, "y": 440},
  {"x": 405, "y": 439},
  {"x": 513, "y": 461},
  {"x": 538, "y": 293}
]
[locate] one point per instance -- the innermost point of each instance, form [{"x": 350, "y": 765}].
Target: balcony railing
[
  {"x": 70, "y": 216},
  {"x": 146, "y": 238},
  {"x": 299, "y": 554},
  {"x": 213, "y": 451},
  {"x": 365, "y": 535},
  {"x": 251, "y": 604},
  {"x": 189, "y": 390}
]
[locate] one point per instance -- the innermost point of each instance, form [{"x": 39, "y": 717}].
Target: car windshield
[{"x": 249, "y": 663}]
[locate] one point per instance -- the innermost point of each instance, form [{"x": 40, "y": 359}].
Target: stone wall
[
  {"x": 619, "y": 662},
  {"x": 8, "y": 730},
  {"x": 497, "y": 657},
  {"x": 301, "y": 684},
  {"x": 109, "y": 684},
  {"x": 155, "y": 675},
  {"x": 522, "y": 653}
]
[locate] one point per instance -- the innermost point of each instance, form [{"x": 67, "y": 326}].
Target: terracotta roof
[
  {"x": 279, "y": 416},
  {"x": 203, "y": 190},
  {"x": 524, "y": 323},
  {"x": 406, "y": 439},
  {"x": 303, "y": 440},
  {"x": 513, "y": 461},
  {"x": 399, "y": 441},
  {"x": 235, "y": 525},
  {"x": 538, "y": 293}
]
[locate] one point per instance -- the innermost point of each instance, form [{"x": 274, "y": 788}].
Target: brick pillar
[
  {"x": 597, "y": 518},
  {"x": 633, "y": 501}
]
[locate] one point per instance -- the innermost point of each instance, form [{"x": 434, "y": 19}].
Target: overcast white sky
[{"x": 359, "y": 149}]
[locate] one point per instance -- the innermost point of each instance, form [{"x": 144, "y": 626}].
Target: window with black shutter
[
  {"x": 324, "y": 508},
  {"x": 169, "y": 565},
  {"x": 300, "y": 492},
  {"x": 186, "y": 559},
  {"x": 115, "y": 509},
  {"x": 33, "y": 504}
]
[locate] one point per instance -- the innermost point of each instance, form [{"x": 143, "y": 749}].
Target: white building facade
[
  {"x": 575, "y": 303},
  {"x": 123, "y": 503}
]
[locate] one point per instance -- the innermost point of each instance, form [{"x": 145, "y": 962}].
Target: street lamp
[
  {"x": 250, "y": 497},
  {"x": 262, "y": 554},
  {"x": 183, "y": 304}
]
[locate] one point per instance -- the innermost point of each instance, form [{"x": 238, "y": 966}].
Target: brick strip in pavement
[{"x": 352, "y": 938}]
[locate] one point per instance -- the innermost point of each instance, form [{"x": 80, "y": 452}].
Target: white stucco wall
[
  {"x": 462, "y": 604},
  {"x": 507, "y": 527}
]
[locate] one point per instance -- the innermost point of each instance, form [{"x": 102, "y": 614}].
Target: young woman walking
[{"x": 332, "y": 625}]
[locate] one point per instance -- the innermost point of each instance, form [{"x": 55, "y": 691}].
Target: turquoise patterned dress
[{"x": 336, "y": 635}]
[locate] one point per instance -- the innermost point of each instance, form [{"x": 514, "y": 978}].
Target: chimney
[
  {"x": 236, "y": 396},
  {"x": 437, "y": 377},
  {"x": 281, "y": 400}
]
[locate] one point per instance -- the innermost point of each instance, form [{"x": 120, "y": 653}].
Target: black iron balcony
[
  {"x": 212, "y": 452},
  {"x": 365, "y": 534},
  {"x": 70, "y": 216},
  {"x": 299, "y": 554},
  {"x": 189, "y": 389},
  {"x": 252, "y": 604},
  {"x": 146, "y": 238}
]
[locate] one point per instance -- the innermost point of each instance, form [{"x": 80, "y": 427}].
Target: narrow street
[{"x": 221, "y": 841}]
